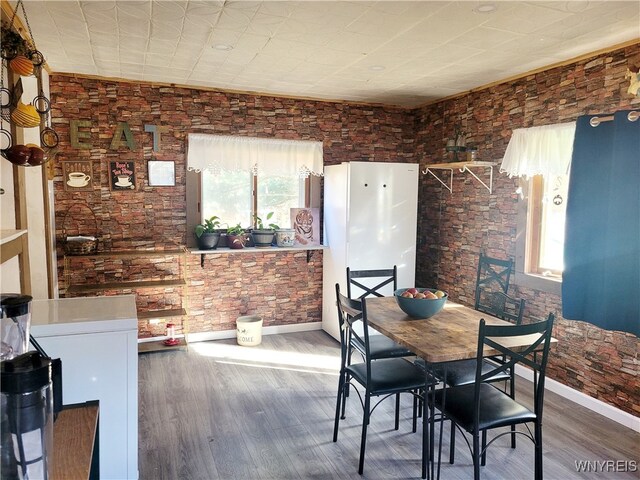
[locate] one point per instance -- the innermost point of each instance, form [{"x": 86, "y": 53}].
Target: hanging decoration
[{"x": 23, "y": 59}]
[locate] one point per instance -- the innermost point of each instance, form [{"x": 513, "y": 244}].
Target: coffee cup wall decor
[
  {"x": 122, "y": 176},
  {"x": 77, "y": 175}
]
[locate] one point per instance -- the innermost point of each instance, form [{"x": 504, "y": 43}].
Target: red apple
[
  {"x": 406, "y": 294},
  {"x": 430, "y": 295},
  {"x": 412, "y": 291},
  {"x": 419, "y": 295}
]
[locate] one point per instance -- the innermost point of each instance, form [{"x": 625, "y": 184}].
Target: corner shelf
[
  {"x": 144, "y": 345},
  {"x": 462, "y": 167}
]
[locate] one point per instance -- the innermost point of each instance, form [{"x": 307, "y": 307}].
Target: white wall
[{"x": 10, "y": 271}]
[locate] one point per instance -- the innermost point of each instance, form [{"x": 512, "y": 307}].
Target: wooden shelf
[
  {"x": 74, "y": 435},
  {"x": 181, "y": 282},
  {"x": 178, "y": 312},
  {"x": 462, "y": 167},
  {"x": 121, "y": 285},
  {"x": 159, "y": 346},
  {"x": 133, "y": 253}
]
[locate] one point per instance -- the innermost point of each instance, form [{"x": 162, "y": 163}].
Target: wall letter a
[{"x": 123, "y": 127}]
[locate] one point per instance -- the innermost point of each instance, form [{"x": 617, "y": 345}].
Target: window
[
  {"x": 230, "y": 196},
  {"x": 540, "y": 156},
  {"x": 238, "y": 178},
  {"x": 545, "y": 225}
]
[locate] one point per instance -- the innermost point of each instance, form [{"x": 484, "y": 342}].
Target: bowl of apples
[{"x": 420, "y": 302}]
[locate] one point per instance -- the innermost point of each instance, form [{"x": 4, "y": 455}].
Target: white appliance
[
  {"x": 97, "y": 340},
  {"x": 370, "y": 222}
]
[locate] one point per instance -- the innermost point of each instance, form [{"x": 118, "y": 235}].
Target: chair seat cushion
[
  {"x": 497, "y": 409},
  {"x": 382, "y": 347},
  {"x": 463, "y": 372},
  {"x": 389, "y": 375}
]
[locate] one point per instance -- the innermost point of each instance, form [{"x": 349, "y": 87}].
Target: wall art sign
[
  {"x": 306, "y": 223},
  {"x": 78, "y": 175},
  {"x": 122, "y": 175},
  {"x": 162, "y": 173}
]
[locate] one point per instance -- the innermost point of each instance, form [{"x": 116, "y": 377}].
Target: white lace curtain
[
  {"x": 259, "y": 155},
  {"x": 544, "y": 150}
]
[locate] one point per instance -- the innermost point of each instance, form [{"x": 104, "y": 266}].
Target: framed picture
[
  {"x": 77, "y": 175},
  {"x": 162, "y": 173},
  {"x": 306, "y": 223},
  {"x": 122, "y": 175}
]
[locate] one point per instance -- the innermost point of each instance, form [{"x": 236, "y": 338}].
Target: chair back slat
[
  {"x": 500, "y": 305},
  {"x": 386, "y": 276}
]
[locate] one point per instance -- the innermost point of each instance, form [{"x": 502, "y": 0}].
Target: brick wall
[
  {"x": 282, "y": 287},
  {"x": 454, "y": 228}
]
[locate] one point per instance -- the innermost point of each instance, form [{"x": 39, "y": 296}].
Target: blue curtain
[{"x": 601, "y": 279}]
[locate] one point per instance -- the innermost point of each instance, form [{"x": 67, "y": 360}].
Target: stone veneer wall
[
  {"x": 282, "y": 287},
  {"x": 454, "y": 228}
]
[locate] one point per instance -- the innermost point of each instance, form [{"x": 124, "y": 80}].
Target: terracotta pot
[
  {"x": 21, "y": 65},
  {"x": 18, "y": 154}
]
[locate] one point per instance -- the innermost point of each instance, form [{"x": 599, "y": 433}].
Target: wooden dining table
[{"x": 449, "y": 335}]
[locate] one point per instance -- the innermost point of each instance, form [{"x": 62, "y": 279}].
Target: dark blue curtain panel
[{"x": 601, "y": 279}]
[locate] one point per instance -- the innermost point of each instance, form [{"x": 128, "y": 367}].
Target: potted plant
[
  {"x": 236, "y": 237},
  {"x": 263, "y": 236},
  {"x": 207, "y": 233}
]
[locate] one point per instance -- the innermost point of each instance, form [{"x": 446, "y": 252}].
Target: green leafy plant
[
  {"x": 209, "y": 226},
  {"x": 236, "y": 230},
  {"x": 270, "y": 226}
]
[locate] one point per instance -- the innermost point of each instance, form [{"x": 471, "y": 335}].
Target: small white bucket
[{"x": 249, "y": 330}]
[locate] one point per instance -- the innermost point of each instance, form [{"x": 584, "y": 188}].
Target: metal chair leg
[
  {"x": 452, "y": 443},
  {"x": 538, "y": 469},
  {"x": 476, "y": 456},
  {"x": 397, "y": 426},
  {"x": 365, "y": 423},
  {"x": 483, "y": 462},
  {"x": 339, "y": 403}
]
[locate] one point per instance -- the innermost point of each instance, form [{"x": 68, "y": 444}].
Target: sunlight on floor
[{"x": 263, "y": 358}]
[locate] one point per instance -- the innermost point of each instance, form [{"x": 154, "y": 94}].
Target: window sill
[
  {"x": 539, "y": 282},
  {"x": 248, "y": 250}
]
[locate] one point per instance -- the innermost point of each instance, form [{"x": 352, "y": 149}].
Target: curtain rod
[{"x": 595, "y": 121}]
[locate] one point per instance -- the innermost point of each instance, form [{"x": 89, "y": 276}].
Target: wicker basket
[{"x": 79, "y": 244}]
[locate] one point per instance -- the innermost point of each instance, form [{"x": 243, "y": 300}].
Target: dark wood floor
[{"x": 220, "y": 411}]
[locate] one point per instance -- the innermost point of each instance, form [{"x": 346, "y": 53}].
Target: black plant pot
[
  {"x": 208, "y": 241},
  {"x": 262, "y": 238}
]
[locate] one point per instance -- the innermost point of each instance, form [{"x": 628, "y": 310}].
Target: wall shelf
[
  {"x": 148, "y": 315},
  {"x": 248, "y": 250},
  {"x": 462, "y": 167}
]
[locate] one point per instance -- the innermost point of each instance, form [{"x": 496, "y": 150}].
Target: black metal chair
[
  {"x": 480, "y": 406},
  {"x": 493, "y": 275},
  {"x": 463, "y": 372},
  {"x": 380, "y": 345},
  {"x": 382, "y": 377}
]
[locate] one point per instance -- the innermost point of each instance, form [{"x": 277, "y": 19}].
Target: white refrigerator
[{"x": 370, "y": 217}]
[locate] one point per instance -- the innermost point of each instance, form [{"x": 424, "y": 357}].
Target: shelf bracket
[
  {"x": 202, "y": 260},
  {"x": 488, "y": 187},
  {"x": 448, "y": 187},
  {"x": 308, "y": 255}
]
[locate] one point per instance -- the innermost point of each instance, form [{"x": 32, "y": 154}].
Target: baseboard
[
  {"x": 270, "y": 330},
  {"x": 593, "y": 404}
]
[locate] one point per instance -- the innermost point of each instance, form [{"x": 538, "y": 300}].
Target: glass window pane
[
  {"x": 554, "y": 203},
  {"x": 278, "y": 194},
  {"x": 228, "y": 196}
]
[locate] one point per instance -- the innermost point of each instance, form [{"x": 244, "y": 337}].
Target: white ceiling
[{"x": 392, "y": 52}]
